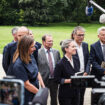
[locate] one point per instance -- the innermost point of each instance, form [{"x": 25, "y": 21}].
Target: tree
[
  {"x": 35, "y": 11},
  {"x": 9, "y": 14}
]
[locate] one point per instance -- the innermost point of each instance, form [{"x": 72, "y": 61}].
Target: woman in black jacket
[{"x": 65, "y": 68}]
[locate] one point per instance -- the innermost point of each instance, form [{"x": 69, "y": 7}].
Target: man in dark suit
[
  {"x": 82, "y": 54},
  {"x": 10, "y": 48},
  {"x": 97, "y": 55},
  {"x": 47, "y": 59}
]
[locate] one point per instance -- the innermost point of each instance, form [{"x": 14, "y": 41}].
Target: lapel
[
  {"x": 76, "y": 67},
  {"x": 84, "y": 50},
  {"x": 99, "y": 50},
  {"x": 54, "y": 55},
  {"x": 69, "y": 67},
  {"x": 43, "y": 54},
  {"x": 76, "y": 54},
  {"x": 68, "y": 63}
]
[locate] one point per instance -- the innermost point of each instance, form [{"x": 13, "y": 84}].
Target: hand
[
  {"x": 104, "y": 72},
  {"x": 67, "y": 80},
  {"x": 85, "y": 74},
  {"x": 43, "y": 86}
]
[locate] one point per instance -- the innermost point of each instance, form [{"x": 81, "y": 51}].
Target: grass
[{"x": 59, "y": 32}]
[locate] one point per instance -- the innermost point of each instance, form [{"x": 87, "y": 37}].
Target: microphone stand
[{"x": 96, "y": 5}]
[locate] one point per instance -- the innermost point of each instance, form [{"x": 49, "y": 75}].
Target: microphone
[
  {"x": 102, "y": 19},
  {"x": 41, "y": 97},
  {"x": 89, "y": 9}
]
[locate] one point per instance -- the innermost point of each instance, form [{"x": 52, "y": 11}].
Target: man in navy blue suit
[
  {"x": 82, "y": 54},
  {"x": 10, "y": 48},
  {"x": 97, "y": 55}
]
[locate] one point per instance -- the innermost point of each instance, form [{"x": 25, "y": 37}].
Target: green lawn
[{"x": 59, "y": 32}]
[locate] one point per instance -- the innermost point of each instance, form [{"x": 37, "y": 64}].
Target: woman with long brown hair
[{"x": 25, "y": 68}]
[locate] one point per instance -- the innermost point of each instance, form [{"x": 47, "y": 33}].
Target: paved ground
[
  {"x": 87, "y": 93},
  {"x": 2, "y": 73}
]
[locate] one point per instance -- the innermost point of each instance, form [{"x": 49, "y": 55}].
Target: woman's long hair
[{"x": 22, "y": 50}]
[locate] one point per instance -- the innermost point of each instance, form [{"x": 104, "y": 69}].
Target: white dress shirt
[
  {"x": 81, "y": 56},
  {"x": 101, "y": 45}
]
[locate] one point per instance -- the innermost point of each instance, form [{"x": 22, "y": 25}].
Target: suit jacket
[
  {"x": 64, "y": 70},
  {"x": 35, "y": 53},
  {"x": 96, "y": 58},
  {"x": 86, "y": 57},
  {"x": 8, "y": 52},
  {"x": 43, "y": 64}
]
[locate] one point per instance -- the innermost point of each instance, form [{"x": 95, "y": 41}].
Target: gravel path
[{"x": 2, "y": 73}]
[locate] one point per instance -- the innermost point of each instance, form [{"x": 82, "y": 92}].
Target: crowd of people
[{"x": 40, "y": 65}]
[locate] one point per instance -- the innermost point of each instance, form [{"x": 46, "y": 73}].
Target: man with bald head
[
  {"x": 10, "y": 48},
  {"x": 22, "y": 31}
]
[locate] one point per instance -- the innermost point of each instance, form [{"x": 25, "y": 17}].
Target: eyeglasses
[
  {"x": 102, "y": 35},
  {"x": 79, "y": 35}
]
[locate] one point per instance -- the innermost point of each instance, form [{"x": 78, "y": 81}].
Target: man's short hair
[
  {"x": 100, "y": 29},
  {"x": 78, "y": 28},
  {"x": 14, "y": 30},
  {"x": 44, "y": 37}
]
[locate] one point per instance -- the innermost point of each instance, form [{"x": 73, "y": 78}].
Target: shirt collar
[
  {"x": 68, "y": 58},
  {"x": 101, "y": 43},
  {"x": 77, "y": 44},
  {"x": 47, "y": 49}
]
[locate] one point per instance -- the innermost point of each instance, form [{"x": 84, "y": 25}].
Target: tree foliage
[{"x": 33, "y": 12}]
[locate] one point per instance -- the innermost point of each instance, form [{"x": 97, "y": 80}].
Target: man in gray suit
[{"x": 47, "y": 59}]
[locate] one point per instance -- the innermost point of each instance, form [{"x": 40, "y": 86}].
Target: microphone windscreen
[
  {"x": 102, "y": 19},
  {"x": 89, "y": 10},
  {"x": 41, "y": 97}
]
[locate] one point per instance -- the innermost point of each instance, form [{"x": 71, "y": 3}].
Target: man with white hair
[{"x": 97, "y": 55}]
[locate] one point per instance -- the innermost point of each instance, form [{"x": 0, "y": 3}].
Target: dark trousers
[
  {"x": 53, "y": 88},
  {"x": 70, "y": 101},
  {"x": 82, "y": 92}
]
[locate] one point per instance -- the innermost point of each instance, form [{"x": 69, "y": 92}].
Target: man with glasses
[
  {"x": 47, "y": 59},
  {"x": 97, "y": 55},
  {"x": 82, "y": 55}
]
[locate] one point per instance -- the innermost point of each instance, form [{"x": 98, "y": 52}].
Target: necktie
[
  {"x": 50, "y": 63},
  {"x": 104, "y": 51}
]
